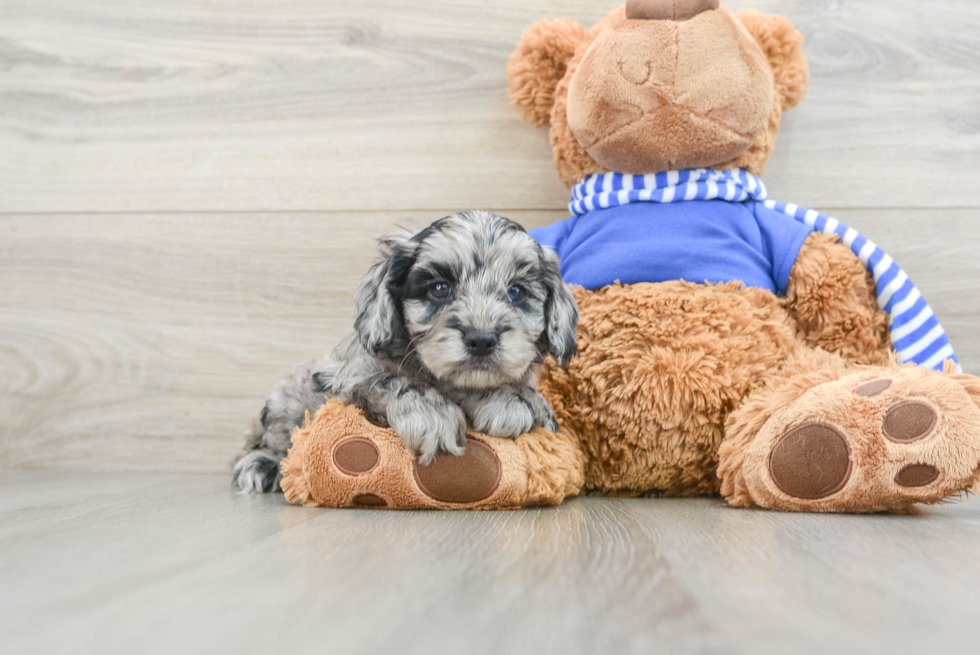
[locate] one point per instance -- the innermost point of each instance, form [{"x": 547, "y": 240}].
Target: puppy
[{"x": 451, "y": 327}]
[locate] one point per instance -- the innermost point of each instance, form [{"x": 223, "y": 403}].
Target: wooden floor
[
  {"x": 189, "y": 192},
  {"x": 177, "y": 563}
]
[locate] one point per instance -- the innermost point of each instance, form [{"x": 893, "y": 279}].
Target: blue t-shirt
[{"x": 695, "y": 240}]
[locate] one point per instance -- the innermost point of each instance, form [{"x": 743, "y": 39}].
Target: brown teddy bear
[{"x": 727, "y": 342}]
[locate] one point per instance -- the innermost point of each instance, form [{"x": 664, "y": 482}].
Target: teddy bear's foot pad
[
  {"x": 811, "y": 461},
  {"x": 814, "y": 461},
  {"x": 861, "y": 445},
  {"x": 467, "y": 478},
  {"x": 339, "y": 459}
]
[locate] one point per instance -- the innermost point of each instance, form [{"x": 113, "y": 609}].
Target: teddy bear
[{"x": 727, "y": 343}]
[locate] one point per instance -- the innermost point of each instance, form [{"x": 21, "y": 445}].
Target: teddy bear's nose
[{"x": 667, "y": 9}]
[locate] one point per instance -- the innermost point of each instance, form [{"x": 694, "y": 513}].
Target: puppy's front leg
[
  {"x": 509, "y": 411},
  {"x": 422, "y": 417}
]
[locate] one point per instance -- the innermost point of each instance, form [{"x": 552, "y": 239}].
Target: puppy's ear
[
  {"x": 560, "y": 311},
  {"x": 538, "y": 64},
  {"x": 378, "y": 323}
]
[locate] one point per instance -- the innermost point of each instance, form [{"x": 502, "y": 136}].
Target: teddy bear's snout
[{"x": 667, "y": 9}]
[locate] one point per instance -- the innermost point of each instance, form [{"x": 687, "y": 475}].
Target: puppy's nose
[{"x": 480, "y": 343}]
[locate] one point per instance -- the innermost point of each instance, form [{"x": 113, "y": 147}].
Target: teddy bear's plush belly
[{"x": 660, "y": 366}]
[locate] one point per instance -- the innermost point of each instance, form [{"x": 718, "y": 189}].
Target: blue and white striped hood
[{"x": 915, "y": 331}]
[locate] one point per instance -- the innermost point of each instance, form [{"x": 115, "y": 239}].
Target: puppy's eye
[
  {"x": 516, "y": 293},
  {"x": 440, "y": 290}
]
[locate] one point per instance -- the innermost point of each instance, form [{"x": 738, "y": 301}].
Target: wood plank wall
[{"x": 189, "y": 191}]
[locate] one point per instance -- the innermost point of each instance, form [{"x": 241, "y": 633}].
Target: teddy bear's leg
[
  {"x": 831, "y": 296},
  {"x": 339, "y": 459},
  {"x": 863, "y": 439}
]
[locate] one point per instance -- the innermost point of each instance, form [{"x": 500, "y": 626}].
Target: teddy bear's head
[{"x": 659, "y": 85}]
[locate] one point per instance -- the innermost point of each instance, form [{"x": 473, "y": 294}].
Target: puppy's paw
[
  {"x": 544, "y": 416},
  {"x": 428, "y": 423},
  {"x": 547, "y": 421},
  {"x": 504, "y": 414},
  {"x": 257, "y": 471}
]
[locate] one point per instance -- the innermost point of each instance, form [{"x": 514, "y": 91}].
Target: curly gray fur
[{"x": 452, "y": 325}]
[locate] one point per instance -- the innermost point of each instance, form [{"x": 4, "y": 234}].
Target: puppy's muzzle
[{"x": 480, "y": 343}]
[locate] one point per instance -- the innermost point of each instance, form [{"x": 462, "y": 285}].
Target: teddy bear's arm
[{"x": 831, "y": 295}]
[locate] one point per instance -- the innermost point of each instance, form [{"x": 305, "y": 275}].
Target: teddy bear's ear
[
  {"x": 538, "y": 64},
  {"x": 783, "y": 46}
]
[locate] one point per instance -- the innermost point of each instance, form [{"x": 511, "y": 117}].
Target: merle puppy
[{"x": 451, "y": 326}]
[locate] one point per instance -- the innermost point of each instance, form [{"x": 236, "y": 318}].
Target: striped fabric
[{"x": 916, "y": 333}]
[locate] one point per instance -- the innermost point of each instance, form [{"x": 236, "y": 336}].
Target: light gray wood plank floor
[{"x": 177, "y": 563}]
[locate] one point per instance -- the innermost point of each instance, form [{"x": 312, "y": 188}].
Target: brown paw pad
[
  {"x": 810, "y": 462},
  {"x": 368, "y": 500},
  {"x": 917, "y": 475},
  {"x": 471, "y": 477},
  {"x": 909, "y": 421},
  {"x": 873, "y": 388},
  {"x": 356, "y": 456}
]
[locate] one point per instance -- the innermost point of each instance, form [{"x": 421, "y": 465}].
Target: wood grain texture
[
  {"x": 146, "y": 342},
  {"x": 189, "y": 192},
  {"x": 165, "y": 563},
  {"x": 274, "y": 105}
]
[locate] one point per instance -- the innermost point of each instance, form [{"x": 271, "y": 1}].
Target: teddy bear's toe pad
[
  {"x": 917, "y": 475},
  {"x": 873, "y": 388},
  {"x": 356, "y": 456},
  {"x": 812, "y": 461},
  {"x": 368, "y": 500},
  {"x": 909, "y": 421}
]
